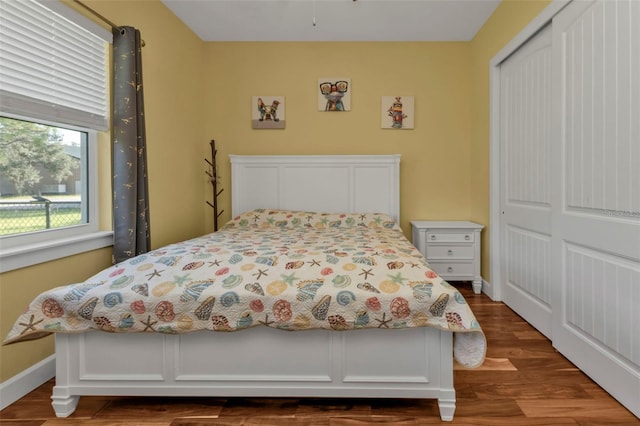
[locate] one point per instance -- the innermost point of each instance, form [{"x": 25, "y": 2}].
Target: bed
[{"x": 311, "y": 291}]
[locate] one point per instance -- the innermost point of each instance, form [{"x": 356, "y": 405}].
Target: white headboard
[{"x": 322, "y": 183}]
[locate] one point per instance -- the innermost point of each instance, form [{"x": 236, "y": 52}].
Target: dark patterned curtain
[{"x": 130, "y": 187}]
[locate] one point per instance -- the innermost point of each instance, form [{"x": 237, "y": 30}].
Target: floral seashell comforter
[{"x": 281, "y": 269}]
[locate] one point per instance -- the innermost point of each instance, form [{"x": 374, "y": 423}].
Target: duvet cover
[{"x": 283, "y": 269}]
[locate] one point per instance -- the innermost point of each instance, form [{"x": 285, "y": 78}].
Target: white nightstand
[{"x": 451, "y": 248}]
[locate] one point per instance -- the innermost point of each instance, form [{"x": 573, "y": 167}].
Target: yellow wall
[
  {"x": 196, "y": 91},
  {"x": 505, "y": 23},
  {"x": 435, "y": 160}
]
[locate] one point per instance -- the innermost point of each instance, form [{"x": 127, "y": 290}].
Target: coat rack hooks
[{"x": 213, "y": 178}]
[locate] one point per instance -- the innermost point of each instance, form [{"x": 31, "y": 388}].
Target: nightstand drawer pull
[
  {"x": 467, "y": 237},
  {"x": 433, "y": 237},
  {"x": 450, "y": 252},
  {"x": 449, "y": 269}
]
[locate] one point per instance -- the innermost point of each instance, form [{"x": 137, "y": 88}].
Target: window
[
  {"x": 43, "y": 177},
  {"x": 53, "y": 102}
]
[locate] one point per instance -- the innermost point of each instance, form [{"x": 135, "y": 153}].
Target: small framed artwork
[
  {"x": 397, "y": 112},
  {"x": 267, "y": 112},
  {"x": 334, "y": 94}
]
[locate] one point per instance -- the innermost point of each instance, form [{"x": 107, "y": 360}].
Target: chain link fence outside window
[{"x": 29, "y": 216}]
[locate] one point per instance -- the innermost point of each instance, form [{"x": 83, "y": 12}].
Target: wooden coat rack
[{"x": 213, "y": 178}]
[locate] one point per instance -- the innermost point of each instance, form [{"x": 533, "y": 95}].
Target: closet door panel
[
  {"x": 596, "y": 217},
  {"x": 525, "y": 139}
]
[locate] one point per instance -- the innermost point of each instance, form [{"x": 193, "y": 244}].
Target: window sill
[{"x": 32, "y": 254}]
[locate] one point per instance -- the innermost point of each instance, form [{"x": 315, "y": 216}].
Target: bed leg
[
  {"x": 63, "y": 404},
  {"x": 447, "y": 405}
]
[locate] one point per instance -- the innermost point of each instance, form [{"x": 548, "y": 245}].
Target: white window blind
[{"x": 51, "y": 68}]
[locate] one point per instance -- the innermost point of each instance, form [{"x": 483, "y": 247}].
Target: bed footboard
[{"x": 376, "y": 363}]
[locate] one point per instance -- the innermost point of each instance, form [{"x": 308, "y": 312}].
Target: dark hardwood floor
[{"x": 523, "y": 381}]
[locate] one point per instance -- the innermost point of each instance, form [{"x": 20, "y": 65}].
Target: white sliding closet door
[
  {"x": 525, "y": 204},
  {"x": 596, "y": 193}
]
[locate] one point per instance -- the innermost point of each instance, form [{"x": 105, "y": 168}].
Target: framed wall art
[
  {"x": 397, "y": 112},
  {"x": 334, "y": 94},
  {"x": 267, "y": 112}
]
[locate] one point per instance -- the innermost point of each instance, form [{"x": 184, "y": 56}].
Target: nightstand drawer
[
  {"x": 449, "y": 237},
  {"x": 443, "y": 252},
  {"x": 445, "y": 269}
]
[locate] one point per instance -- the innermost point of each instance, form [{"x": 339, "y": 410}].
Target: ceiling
[{"x": 333, "y": 20}]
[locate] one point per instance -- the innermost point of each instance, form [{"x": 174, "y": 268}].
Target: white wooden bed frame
[{"x": 314, "y": 363}]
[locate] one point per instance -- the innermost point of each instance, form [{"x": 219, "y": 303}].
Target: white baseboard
[
  {"x": 26, "y": 381},
  {"x": 488, "y": 289}
]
